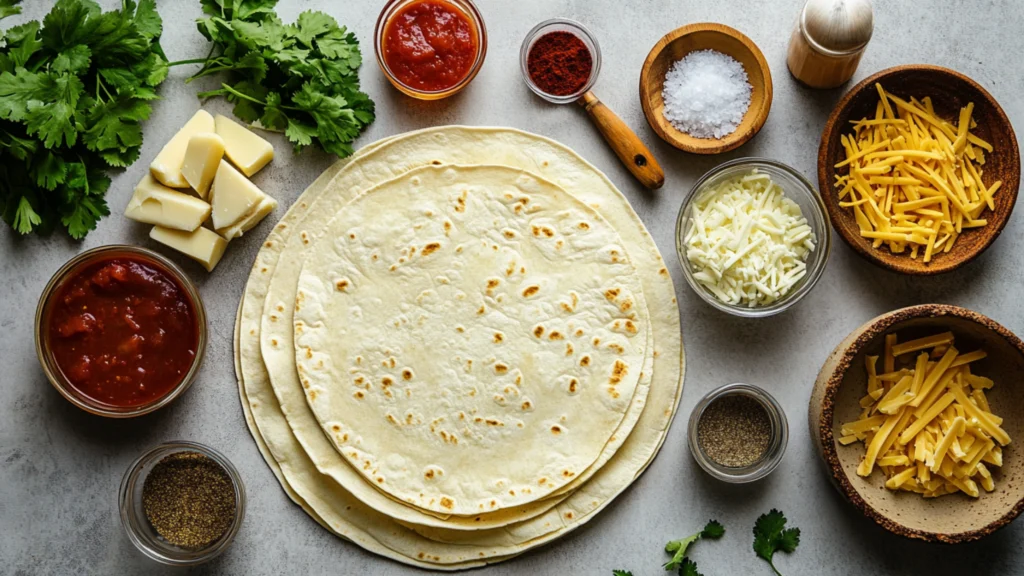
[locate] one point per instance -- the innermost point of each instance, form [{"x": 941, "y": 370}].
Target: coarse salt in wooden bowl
[
  {"x": 842, "y": 382},
  {"x": 949, "y": 91},
  {"x": 677, "y": 44}
]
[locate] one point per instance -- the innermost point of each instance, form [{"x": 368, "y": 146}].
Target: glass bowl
[
  {"x": 796, "y": 188},
  {"x": 137, "y": 526},
  {"x": 42, "y": 340},
  {"x": 560, "y": 25},
  {"x": 466, "y": 7},
  {"x": 776, "y": 443}
]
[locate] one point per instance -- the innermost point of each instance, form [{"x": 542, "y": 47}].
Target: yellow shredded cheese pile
[
  {"x": 926, "y": 421},
  {"x": 914, "y": 180}
]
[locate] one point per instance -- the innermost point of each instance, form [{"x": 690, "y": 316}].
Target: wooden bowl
[
  {"x": 842, "y": 382},
  {"x": 680, "y": 42},
  {"x": 949, "y": 92}
]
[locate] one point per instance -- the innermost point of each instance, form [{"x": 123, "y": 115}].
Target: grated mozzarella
[{"x": 746, "y": 242}]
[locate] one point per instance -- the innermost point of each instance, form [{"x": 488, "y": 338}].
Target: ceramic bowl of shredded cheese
[
  {"x": 753, "y": 237},
  {"x": 917, "y": 416}
]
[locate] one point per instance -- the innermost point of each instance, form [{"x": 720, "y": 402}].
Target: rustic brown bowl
[
  {"x": 680, "y": 42},
  {"x": 842, "y": 382},
  {"x": 949, "y": 92}
]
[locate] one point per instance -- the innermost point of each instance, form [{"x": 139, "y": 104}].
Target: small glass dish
[
  {"x": 777, "y": 440},
  {"x": 468, "y": 8},
  {"x": 560, "y": 25},
  {"x": 49, "y": 363},
  {"x": 797, "y": 189},
  {"x": 138, "y": 527}
]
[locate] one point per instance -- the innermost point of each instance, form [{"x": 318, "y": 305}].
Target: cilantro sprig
[
  {"x": 713, "y": 529},
  {"x": 771, "y": 536},
  {"x": 73, "y": 89},
  {"x": 300, "y": 79}
]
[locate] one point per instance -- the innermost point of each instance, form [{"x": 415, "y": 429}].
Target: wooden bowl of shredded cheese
[
  {"x": 915, "y": 416},
  {"x": 919, "y": 169}
]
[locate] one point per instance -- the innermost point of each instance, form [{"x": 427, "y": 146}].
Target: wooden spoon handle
[{"x": 624, "y": 142}]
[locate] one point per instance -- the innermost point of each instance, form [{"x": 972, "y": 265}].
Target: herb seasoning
[
  {"x": 734, "y": 431},
  {"x": 189, "y": 500}
]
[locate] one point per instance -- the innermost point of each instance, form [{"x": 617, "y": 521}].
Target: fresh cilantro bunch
[
  {"x": 73, "y": 90},
  {"x": 300, "y": 79},
  {"x": 771, "y": 535}
]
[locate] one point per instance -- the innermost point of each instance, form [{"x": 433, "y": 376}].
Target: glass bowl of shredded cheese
[{"x": 753, "y": 237}]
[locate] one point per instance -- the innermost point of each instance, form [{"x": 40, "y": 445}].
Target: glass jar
[{"x": 777, "y": 440}]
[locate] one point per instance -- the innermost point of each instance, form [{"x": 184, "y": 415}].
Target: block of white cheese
[
  {"x": 242, "y": 146},
  {"x": 266, "y": 206},
  {"x": 166, "y": 168},
  {"x": 202, "y": 244},
  {"x": 202, "y": 158},
  {"x": 233, "y": 196},
  {"x": 154, "y": 203}
]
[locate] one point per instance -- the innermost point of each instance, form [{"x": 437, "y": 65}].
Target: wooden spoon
[{"x": 624, "y": 142}]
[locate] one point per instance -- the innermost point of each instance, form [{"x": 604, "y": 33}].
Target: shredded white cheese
[{"x": 746, "y": 242}]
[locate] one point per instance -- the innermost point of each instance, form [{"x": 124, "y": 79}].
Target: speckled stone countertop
[{"x": 60, "y": 468}]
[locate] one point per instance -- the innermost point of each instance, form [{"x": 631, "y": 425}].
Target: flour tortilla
[
  {"x": 469, "y": 337},
  {"x": 266, "y": 406},
  {"x": 458, "y": 144}
]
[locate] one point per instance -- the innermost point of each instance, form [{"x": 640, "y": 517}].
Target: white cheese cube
[
  {"x": 166, "y": 167},
  {"x": 266, "y": 206},
  {"x": 243, "y": 147},
  {"x": 202, "y": 244},
  {"x": 233, "y": 196},
  {"x": 154, "y": 203},
  {"x": 202, "y": 158}
]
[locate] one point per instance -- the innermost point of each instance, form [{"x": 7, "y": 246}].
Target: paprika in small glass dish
[
  {"x": 120, "y": 331},
  {"x": 430, "y": 49},
  {"x": 560, "y": 60}
]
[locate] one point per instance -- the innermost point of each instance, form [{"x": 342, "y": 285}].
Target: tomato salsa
[
  {"x": 430, "y": 45},
  {"x": 123, "y": 331}
]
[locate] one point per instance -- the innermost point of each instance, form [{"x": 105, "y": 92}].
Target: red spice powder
[{"x": 559, "y": 63}]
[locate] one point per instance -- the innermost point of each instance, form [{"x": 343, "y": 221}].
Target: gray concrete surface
[{"x": 60, "y": 468}]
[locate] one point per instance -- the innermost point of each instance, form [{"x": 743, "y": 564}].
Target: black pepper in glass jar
[
  {"x": 734, "y": 431},
  {"x": 189, "y": 500}
]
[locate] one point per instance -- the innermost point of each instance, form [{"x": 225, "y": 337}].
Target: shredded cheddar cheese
[
  {"x": 926, "y": 421},
  {"x": 914, "y": 181}
]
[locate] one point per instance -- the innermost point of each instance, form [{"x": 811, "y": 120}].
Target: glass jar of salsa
[
  {"x": 430, "y": 49},
  {"x": 120, "y": 331}
]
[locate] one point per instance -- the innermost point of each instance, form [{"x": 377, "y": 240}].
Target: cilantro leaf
[
  {"x": 16, "y": 90},
  {"x": 49, "y": 170},
  {"x": 621, "y": 573},
  {"x": 713, "y": 529},
  {"x": 74, "y": 60},
  {"x": 147, "y": 20},
  {"x": 9, "y": 8},
  {"x": 689, "y": 568},
  {"x": 312, "y": 24},
  {"x": 53, "y": 119},
  {"x": 23, "y": 43},
  {"x": 115, "y": 124},
  {"x": 771, "y": 535},
  {"x": 25, "y": 218}
]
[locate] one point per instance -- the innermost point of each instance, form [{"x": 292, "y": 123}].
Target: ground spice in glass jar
[
  {"x": 189, "y": 500},
  {"x": 559, "y": 63},
  {"x": 734, "y": 431}
]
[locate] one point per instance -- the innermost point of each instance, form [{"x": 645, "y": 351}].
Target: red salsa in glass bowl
[
  {"x": 430, "y": 49},
  {"x": 120, "y": 331}
]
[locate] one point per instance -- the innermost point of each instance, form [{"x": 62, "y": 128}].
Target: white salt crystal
[{"x": 706, "y": 94}]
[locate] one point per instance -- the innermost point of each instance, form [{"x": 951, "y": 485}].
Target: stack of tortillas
[{"x": 457, "y": 345}]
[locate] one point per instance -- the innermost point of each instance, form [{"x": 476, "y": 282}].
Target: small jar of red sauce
[
  {"x": 120, "y": 331},
  {"x": 430, "y": 49}
]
